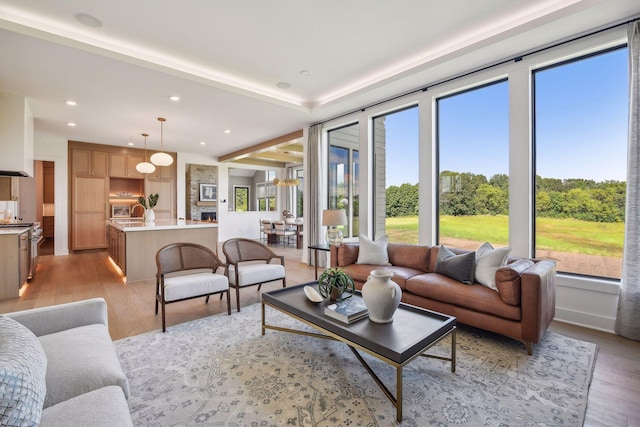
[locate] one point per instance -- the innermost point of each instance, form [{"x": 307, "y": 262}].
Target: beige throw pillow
[
  {"x": 488, "y": 261},
  {"x": 373, "y": 252}
]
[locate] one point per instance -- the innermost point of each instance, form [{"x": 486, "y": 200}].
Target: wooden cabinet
[
  {"x": 117, "y": 247},
  {"x": 14, "y": 263},
  {"x": 89, "y": 162},
  {"x": 89, "y": 212},
  {"x": 8, "y": 188},
  {"x": 48, "y": 227},
  {"x": 48, "y": 192},
  {"x": 166, "y": 207},
  {"x": 102, "y": 176},
  {"x": 124, "y": 165}
]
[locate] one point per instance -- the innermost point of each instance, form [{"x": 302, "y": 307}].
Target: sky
[{"x": 581, "y": 116}]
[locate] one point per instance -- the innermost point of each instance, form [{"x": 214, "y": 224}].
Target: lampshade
[
  {"x": 333, "y": 217},
  {"x": 161, "y": 158},
  {"x": 145, "y": 167}
]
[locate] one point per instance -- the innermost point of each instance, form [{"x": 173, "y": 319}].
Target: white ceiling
[{"x": 225, "y": 59}]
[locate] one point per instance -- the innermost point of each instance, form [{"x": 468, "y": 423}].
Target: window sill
[{"x": 589, "y": 283}]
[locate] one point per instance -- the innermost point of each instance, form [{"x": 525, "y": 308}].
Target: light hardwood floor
[{"x": 614, "y": 398}]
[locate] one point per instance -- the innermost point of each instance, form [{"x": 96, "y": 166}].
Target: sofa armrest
[
  {"x": 538, "y": 299},
  {"x": 56, "y": 318}
]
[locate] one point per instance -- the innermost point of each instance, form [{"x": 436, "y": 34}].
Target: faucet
[{"x": 137, "y": 205}]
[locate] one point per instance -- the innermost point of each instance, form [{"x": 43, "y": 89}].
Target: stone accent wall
[{"x": 197, "y": 174}]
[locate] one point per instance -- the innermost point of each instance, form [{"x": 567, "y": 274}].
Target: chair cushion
[
  {"x": 252, "y": 274},
  {"x": 23, "y": 367},
  {"x": 191, "y": 285},
  {"x": 105, "y": 407},
  {"x": 80, "y": 360}
]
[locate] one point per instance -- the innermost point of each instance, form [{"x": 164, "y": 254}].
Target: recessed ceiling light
[
  {"x": 283, "y": 85},
  {"x": 130, "y": 143},
  {"x": 71, "y": 102},
  {"x": 227, "y": 131},
  {"x": 202, "y": 143},
  {"x": 305, "y": 73},
  {"x": 71, "y": 124},
  {"x": 88, "y": 20},
  {"x": 174, "y": 98}
]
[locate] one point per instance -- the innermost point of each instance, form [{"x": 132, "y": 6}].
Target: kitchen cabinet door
[
  {"x": 166, "y": 207},
  {"x": 89, "y": 212},
  {"x": 124, "y": 165},
  {"x": 89, "y": 162}
]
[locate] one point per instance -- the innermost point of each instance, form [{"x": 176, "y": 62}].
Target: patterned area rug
[{"x": 219, "y": 371}]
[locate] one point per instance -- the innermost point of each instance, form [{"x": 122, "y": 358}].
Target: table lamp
[{"x": 332, "y": 218}]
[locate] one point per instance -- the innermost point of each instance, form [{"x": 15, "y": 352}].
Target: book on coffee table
[{"x": 347, "y": 311}]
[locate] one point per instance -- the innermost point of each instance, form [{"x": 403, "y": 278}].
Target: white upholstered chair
[
  {"x": 249, "y": 263},
  {"x": 186, "y": 271}
]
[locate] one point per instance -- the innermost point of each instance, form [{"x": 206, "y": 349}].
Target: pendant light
[
  {"x": 161, "y": 158},
  {"x": 145, "y": 167}
]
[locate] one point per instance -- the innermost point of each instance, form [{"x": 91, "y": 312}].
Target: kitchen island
[{"x": 133, "y": 243}]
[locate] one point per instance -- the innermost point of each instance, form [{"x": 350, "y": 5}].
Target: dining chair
[
  {"x": 186, "y": 271},
  {"x": 249, "y": 263},
  {"x": 283, "y": 231}
]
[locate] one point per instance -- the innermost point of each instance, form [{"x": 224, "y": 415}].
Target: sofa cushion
[
  {"x": 105, "y": 407},
  {"x": 488, "y": 260},
  {"x": 508, "y": 280},
  {"x": 458, "y": 267},
  {"x": 80, "y": 360},
  {"x": 23, "y": 367},
  {"x": 373, "y": 252},
  {"x": 415, "y": 257},
  {"x": 475, "y": 297}
]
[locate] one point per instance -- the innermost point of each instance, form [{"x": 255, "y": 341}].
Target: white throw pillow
[
  {"x": 488, "y": 261},
  {"x": 371, "y": 252}
]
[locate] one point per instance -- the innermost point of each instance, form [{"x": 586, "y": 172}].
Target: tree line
[{"x": 464, "y": 193}]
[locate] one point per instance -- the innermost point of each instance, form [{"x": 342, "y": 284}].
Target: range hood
[{"x": 16, "y": 136}]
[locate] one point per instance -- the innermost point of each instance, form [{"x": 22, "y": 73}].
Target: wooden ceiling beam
[{"x": 263, "y": 146}]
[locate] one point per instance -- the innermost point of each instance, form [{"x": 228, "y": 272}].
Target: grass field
[{"x": 560, "y": 235}]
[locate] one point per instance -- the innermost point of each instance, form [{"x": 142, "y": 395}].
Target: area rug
[{"x": 220, "y": 371}]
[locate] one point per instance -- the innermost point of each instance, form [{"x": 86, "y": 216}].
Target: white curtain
[
  {"x": 313, "y": 224},
  {"x": 628, "y": 318}
]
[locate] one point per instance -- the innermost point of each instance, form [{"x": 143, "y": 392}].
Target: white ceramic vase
[
  {"x": 381, "y": 296},
  {"x": 149, "y": 215}
]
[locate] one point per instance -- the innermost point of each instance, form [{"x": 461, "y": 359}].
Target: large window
[
  {"x": 581, "y": 114},
  {"x": 241, "y": 198},
  {"x": 299, "y": 193},
  {"x": 473, "y": 147},
  {"x": 395, "y": 142},
  {"x": 344, "y": 164}
]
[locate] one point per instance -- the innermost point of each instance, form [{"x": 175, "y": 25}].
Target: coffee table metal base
[{"x": 395, "y": 400}]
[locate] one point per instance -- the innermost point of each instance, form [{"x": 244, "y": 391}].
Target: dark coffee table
[{"x": 412, "y": 332}]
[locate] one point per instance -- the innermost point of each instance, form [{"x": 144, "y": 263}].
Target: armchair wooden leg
[
  {"x": 164, "y": 322},
  {"x": 206, "y": 300},
  {"x": 284, "y": 282},
  {"x": 238, "y": 299},
  {"x": 228, "y": 302},
  {"x": 529, "y": 346}
]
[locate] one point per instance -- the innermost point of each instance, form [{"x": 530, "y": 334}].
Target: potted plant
[
  {"x": 149, "y": 215},
  {"x": 334, "y": 283}
]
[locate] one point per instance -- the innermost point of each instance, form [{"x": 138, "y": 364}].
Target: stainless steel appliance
[{"x": 36, "y": 240}]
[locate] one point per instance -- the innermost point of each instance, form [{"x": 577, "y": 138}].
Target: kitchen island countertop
[{"x": 130, "y": 224}]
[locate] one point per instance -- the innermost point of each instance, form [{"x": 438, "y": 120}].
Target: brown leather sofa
[{"x": 523, "y": 307}]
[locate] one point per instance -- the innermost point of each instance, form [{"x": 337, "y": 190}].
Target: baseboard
[{"x": 587, "y": 320}]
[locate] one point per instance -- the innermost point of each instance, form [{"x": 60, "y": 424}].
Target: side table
[{"x": 315, "y": 248}]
